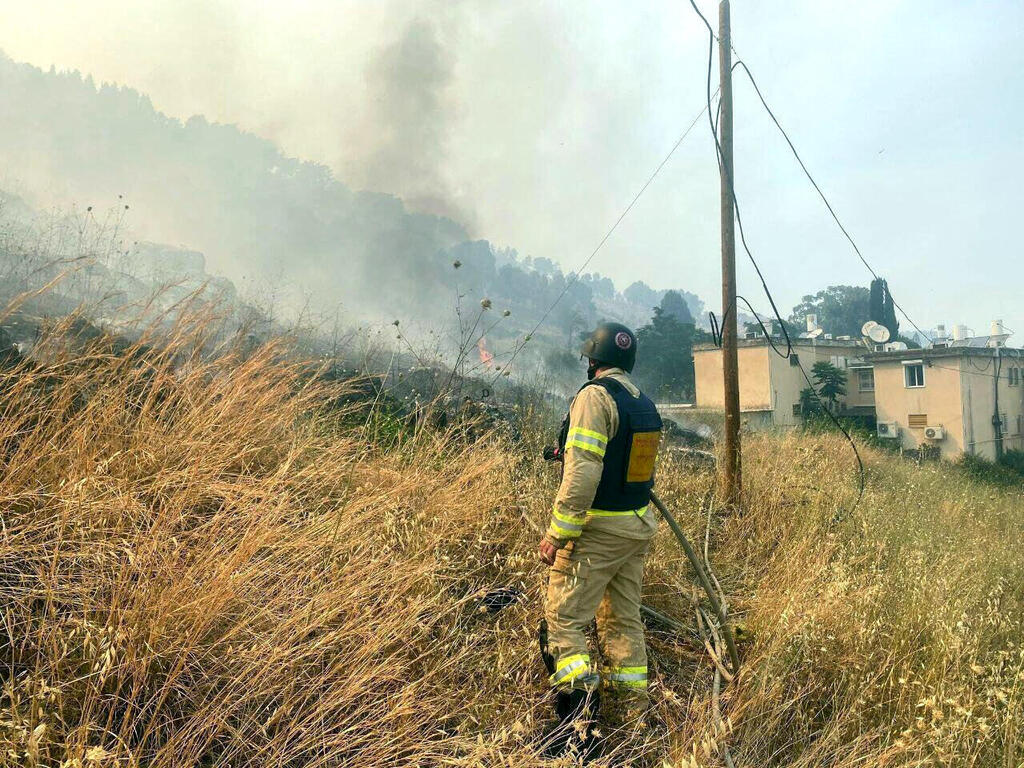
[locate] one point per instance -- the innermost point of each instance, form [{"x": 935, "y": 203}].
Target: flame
[{"x": 485, "y": 357}]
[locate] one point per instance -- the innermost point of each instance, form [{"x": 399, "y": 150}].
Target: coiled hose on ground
[{"x": 705, "y": 582}]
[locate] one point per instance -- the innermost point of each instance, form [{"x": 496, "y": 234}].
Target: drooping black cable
[
  {"x": 727, "y": 172},
  {"x": 575, "y": 276},
  {"x": 824, "y": 199},
  {"x": 767, "y": 334},
  {"x": 716, "y": 332},
  {"x": 817, "y": 396}
]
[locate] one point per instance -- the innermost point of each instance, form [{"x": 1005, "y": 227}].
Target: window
[
  {"x": 917, "y": 420},
  {"x": 797, "y": 409},
  {"x": 794, "y": 359},
  {"x": 866, "y": 380},
  {"x": 913, "y": 374},
  {"x": 838, "y": 361},
  {"x": 1013, "y": 374}
]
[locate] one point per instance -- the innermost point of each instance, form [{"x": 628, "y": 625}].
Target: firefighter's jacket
[{"x": 593, "y": 422}]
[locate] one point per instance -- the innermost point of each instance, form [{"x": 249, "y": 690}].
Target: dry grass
[{"x": 203, "y": 564}]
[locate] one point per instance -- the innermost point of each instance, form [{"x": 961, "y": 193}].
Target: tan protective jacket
[{"x": 593, "y": 421}]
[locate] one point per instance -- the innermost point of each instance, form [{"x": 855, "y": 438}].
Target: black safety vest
[{"x": 627, "y": 477}]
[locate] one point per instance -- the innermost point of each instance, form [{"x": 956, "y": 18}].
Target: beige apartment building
[
  {"x": 770, "y": 385},
  {"x": 946, "y": 397}
]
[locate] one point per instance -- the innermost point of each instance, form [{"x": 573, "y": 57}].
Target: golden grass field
[{"x": 204, "y": 562}]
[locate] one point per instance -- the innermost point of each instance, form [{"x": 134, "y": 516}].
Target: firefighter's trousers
[{"x": 598, "y": 575}]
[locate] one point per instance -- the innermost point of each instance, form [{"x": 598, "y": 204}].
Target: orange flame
[{"x": 485, "y": 357}]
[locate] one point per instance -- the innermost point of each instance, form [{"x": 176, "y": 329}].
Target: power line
[
  {"x": 750, "y": 76},
  {"x": 861, "y": 474},
  {"x": 821, "y": 194},
  {"x": 576, "y": 274},
  {"x": 732, "y": 187},
  {"x": 982, "y": 372}
]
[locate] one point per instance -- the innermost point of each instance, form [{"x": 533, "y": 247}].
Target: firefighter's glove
[
  {"x": 549, "y": 549},
  {"x": 552, "y": 453}
]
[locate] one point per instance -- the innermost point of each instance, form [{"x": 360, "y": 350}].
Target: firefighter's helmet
[{"x": 612, "y": 344}]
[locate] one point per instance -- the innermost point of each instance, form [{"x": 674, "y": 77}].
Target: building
[
  {"x": 963, "y": 394},
  {"x": 947, "y": 396},
  {"x": 770, "y": 385}
]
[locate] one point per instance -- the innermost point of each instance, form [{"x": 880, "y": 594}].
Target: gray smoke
[{"x": 410, "y": 113}]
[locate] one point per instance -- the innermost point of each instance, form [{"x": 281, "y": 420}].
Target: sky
[{"x": 535, "y": 123}]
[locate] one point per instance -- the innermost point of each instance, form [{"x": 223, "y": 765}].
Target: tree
[
  {"x": 810, "y": 404},
  {"x": 829, "y": 382},
  {"x": 674, "y": 304},
  {"x": 664, "y": 367},
  {"x": 841, "y": 309},
  {"x": 882, "y": 309},
  {"x": 774, "y": 326}
]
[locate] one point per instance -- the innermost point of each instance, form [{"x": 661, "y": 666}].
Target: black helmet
[{"x": 612, "y": 344}]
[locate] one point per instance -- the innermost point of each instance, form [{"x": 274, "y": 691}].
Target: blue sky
[{"x": 551, "y": 115}]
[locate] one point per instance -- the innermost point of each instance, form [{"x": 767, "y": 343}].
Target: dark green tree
[
  {"x": 810, "y": 404},
  {"x": 674, "y": 304},
  {"x": 664, "y": 366},
  {"x": 829, "y": 384},
  {"x": 881, "y": 307},
  {"x": 841, "y": 309}
]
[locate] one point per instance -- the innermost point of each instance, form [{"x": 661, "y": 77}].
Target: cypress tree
[{"x": 881, "y": 308}]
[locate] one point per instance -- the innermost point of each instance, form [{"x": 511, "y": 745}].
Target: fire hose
[
  {"x": 499, "y": 600},
  {"x": 705, "y": 582},
  {"x": 553, "y": 454}
]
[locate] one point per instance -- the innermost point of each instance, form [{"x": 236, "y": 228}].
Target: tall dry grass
[{"x": 207, "y": 562}]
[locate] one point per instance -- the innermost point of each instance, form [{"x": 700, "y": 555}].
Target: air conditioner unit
[
  {"x": 888, "y": 429},
  {"x": 934, "y": 433}
]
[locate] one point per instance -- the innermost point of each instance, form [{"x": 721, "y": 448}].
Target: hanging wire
[
  {"x": 788, "y": 354},
  {"x": 576, "y": 274}
]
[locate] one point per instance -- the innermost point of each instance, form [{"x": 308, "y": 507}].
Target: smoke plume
[{"x": 410, "y": 111}]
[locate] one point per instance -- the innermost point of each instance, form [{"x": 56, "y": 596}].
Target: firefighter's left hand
[{"x": 547, "y": 552}]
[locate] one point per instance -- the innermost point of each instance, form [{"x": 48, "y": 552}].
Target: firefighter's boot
[{"x": 576, "y": 731}]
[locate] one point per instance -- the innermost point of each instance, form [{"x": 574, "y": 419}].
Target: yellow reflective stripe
[
  {"x": 564, "y": 662},
  {"x": 570, "y": 519},
  {"x": 617, "y": 513},
  {"x": 565, "y": 532},
  {"x": 570, "y": 668},
  {"x": 633, "y": 677},
  {"x": 578, "y": 443},
  {"x": 588, "y": 433},
  {"x": 574, "y": 674}
]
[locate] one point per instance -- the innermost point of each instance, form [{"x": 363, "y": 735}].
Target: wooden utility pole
[{"x": 732, "y": 469}]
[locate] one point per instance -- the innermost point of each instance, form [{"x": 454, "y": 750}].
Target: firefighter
[{"x": 599, "y": 534}]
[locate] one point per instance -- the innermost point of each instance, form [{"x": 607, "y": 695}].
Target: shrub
[{"x": 1013, "y": 460}]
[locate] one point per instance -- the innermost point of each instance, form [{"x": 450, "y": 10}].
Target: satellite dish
[
  {"x": 879, "y": 334},
  {"x": 815, "y": 333},
  {"x": 866, "y": 328},
  {"x": 898, "y": 346}
]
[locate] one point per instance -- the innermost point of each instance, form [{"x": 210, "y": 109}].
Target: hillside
[
  {"x": 209, "y": 561},
  {"x": 276, "y": 226}
]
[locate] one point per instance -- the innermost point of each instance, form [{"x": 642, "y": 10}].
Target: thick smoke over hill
[
  {"x": 256, "y": 214},
  {"x": 409, "y": 117},
  {"x": 288, "y": 229}
]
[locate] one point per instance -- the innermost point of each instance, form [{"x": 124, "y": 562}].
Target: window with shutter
[{"x": 917, "y": 420}]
